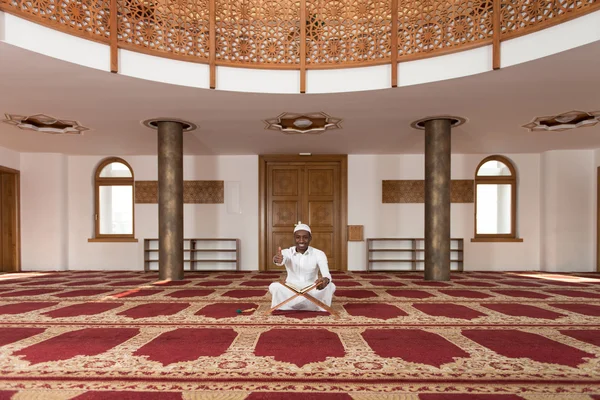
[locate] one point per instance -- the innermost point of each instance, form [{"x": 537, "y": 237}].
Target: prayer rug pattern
[{"x": 104, "y": 335}]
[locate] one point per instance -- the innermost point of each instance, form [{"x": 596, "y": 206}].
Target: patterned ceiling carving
[
  {"x": 292, "y": 123},
  {"x": 564, "y": 121},
  {"x": 413, "y": 191},
  {"x": 45, "y": 123}
]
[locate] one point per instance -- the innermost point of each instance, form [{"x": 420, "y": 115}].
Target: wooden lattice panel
[
  {"x": 175, "y": 27},
  {"x": 266, "y": 33},
  {"x": 355, "y": 233},
  {"x": 88, "y": 19},
  {"x": 258, "y": 32},
  {"x": 349, "y": 32},
  {"x": 413, "y": 191},
  {"x": 194, "y": 192},
  {"x": 519, "y": 15},
  {"x": 435, "y": 26}
]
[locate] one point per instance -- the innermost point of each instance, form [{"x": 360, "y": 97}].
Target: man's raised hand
[{"x": 278, "y": 258}]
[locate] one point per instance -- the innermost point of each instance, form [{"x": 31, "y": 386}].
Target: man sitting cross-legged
[{"x": 302, "y": 263}]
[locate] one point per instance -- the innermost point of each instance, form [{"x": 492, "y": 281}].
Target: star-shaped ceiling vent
[
  {"x": 303, "y": 123},
  {"x": 45, "y": 123},
  {"x": 565, "y": 121}
]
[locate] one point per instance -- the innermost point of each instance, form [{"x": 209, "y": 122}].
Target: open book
[{"x": 300, "y": 289}]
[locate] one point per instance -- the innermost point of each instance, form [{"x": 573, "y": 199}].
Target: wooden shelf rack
[
  {"x": 200, "y": 254},
  {"x": 407, "y": 254}
]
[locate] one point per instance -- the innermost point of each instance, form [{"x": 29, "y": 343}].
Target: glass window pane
[
  {"x": 115, "y": 170},
  {"x": 494, "y": 209},
  {"x": 493, "y": 168},
  {"x": 116, "y": 210}
]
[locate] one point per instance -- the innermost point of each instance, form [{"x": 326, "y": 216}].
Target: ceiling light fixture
[
  {"x": 45, "y": 123},
  {"x": 303, "y": 123},
  {"x": 564, "y": 121}
]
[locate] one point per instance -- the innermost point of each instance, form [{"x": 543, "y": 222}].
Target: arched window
[
  {"x": 114, "y": 217},
  {"x": 495, "y": 200}
]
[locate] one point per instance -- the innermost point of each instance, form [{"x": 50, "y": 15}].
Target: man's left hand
[{"x": 322, "y": 283}]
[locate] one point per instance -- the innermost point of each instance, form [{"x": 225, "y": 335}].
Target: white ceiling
[{"x": 496, "y": 105}]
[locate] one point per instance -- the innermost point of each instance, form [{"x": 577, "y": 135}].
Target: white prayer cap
[{"x": 302, "y": 227}]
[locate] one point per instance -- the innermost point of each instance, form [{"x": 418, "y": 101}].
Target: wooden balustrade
[{"x": 298, "y": 34}]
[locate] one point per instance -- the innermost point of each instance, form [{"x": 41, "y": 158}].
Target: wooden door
[
  {"x": 9, "y": 221},
  {"x": 308, "y": 189}
]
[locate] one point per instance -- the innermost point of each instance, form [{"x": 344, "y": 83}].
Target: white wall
[
  {"x": 44, "y": 206},
  {"x": 200, "y": 220},
  {"x": 365, "y": 173},
  {"x": 9, "y": 158},
  {"x": 556, "y": 209},
  {"x": 568, "y": 191},
  {"x": 50, "y": 42}
]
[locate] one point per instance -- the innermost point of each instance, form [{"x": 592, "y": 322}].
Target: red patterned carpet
[{"x": 121, "y": 335}]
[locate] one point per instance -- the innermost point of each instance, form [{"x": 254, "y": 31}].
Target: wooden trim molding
[
  {"x": 212, "y": 44},
  {"x": 496, "y": 26},
  {"x": 302, "y": 46},
  {"x": 413, "y": 191},
  {"x": 112, "y": 239},
  {"x": 496, "y": 239},
  {"x": 114, "y": 37},
  {"x": 16, "y": 226},
  {"x": 194, "y": 192},
  {"x": 394, "y": 44}
]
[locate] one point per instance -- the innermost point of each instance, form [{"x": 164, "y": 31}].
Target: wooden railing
[{"x": 298, "y": 34}]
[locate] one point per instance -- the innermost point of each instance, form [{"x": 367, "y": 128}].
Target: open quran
[{"x": 300, "y": 289}]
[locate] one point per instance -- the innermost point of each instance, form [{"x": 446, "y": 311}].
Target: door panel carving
[
  {"x": 320, "y": 182},
  {"x": 283, "y": 240},
  {"x": 285, "y": 182},
  {"x": 285, "y": 213},
  {"x": 325, "y": 241},
  {"x": 320, "y": 214}
]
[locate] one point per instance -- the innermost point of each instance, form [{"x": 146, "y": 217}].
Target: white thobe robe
[{"x": 302, "y": 270}]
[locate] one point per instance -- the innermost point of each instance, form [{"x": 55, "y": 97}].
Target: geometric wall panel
[
  {"x": 413, "y": 191},
  {"x": 355, "y": 233},
  {"x": 194, "y": 192}
]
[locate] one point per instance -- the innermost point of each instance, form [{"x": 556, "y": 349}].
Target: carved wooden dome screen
[
  {"x": 348, "y": 32},
  {"x": 89, "y": 19},
  {"x": 178, "y": 27},
  {"x": 267, "y": 33},
  {"x": 520, "y": 16},
  {"x": 432, "y": 25},
  {"x": 258, "y": 32}
]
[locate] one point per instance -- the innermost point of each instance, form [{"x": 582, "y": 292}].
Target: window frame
[
  {"x": 498, "y": 180},
  {"x": 112, "y": 181}
]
